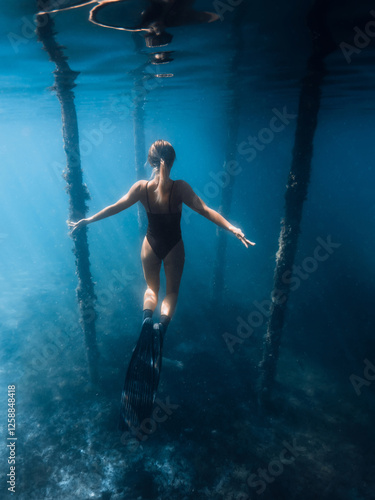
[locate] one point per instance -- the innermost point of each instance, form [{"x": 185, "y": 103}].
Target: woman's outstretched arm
[
  {"x": 131, "y": 197},
  {"x": 192, "y": 200}
]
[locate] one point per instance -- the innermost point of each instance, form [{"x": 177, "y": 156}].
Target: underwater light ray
[{"x": 77, "y": 190}]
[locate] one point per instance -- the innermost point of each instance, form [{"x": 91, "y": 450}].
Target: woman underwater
[{"x": 162, "y": 198}]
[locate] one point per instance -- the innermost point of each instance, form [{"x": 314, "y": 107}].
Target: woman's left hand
[{"x": 240, "y": 235}]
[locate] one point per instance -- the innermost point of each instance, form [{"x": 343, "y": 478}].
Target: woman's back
[
  {"x": 171, "y": 201},
  {"x": 164, "y": 231}
]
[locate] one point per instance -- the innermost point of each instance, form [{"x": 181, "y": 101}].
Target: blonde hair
[{"x": 161, "y": 156}]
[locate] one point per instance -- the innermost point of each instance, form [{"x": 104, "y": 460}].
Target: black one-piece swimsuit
[{"x": 164, "y": 230}]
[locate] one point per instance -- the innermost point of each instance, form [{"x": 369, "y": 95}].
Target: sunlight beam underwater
[
  {"x": 151, "y": 18},
  {"x": 77, "y": 190},
  {"x": 233, "y": 123}
]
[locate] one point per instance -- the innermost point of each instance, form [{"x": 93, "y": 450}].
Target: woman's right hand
[{"x": 77, "y": 225}]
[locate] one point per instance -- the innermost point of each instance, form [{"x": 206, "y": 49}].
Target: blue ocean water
[{"x": 231, "y": 82}]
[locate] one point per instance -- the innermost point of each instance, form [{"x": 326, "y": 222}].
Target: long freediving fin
[{"x": 142, "y": 377}]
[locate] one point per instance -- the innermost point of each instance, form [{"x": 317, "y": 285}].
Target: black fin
[{"x": 142, "y": 377}]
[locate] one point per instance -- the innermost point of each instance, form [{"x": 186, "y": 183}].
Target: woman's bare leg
[
  {"x": 151, "y": 269},
  {"x": 173, "y": 267}
]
